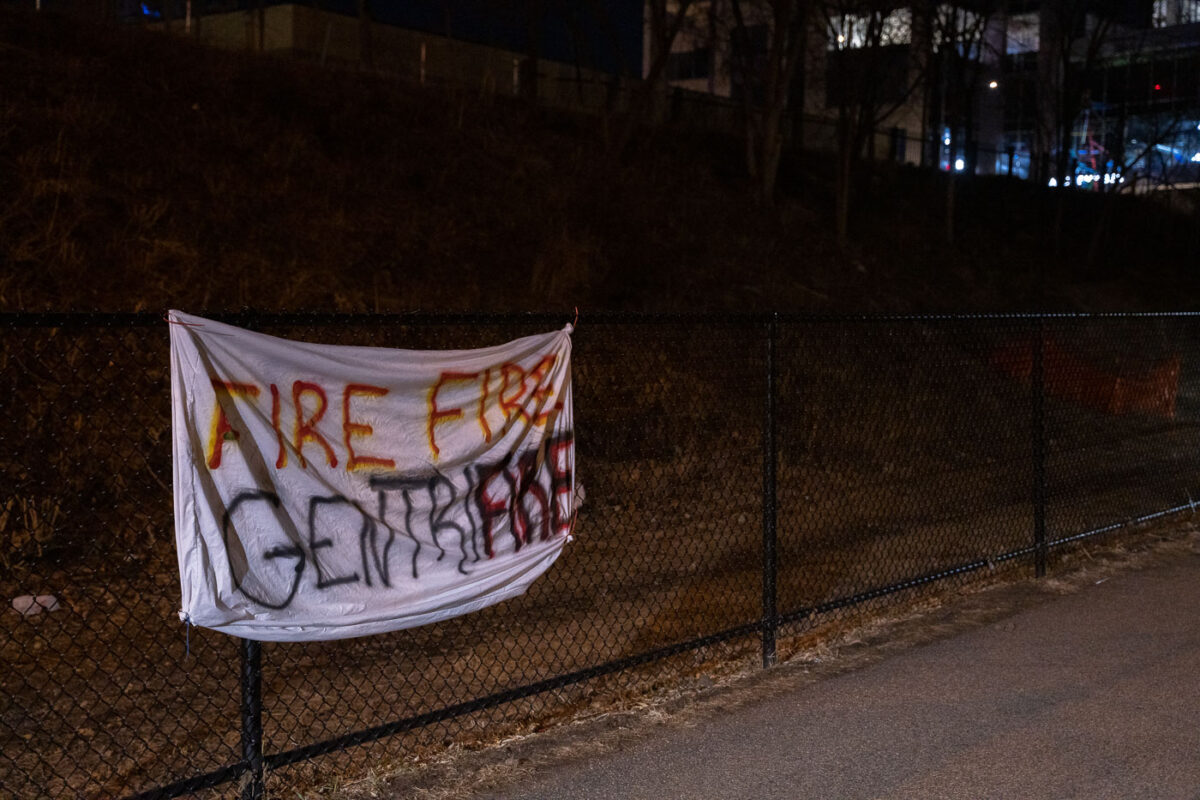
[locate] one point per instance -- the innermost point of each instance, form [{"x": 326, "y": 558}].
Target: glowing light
[
  {"x": 1087, "y": 179},
  {"x": 841, "y": 38},
  {"x": 1158, "y": 87},
  {"x": 946, "y": 140},
  {"x": 993, "y": 85},
  {"x": 1196, "y": 158},
  {"x": 959, "y": 165}
]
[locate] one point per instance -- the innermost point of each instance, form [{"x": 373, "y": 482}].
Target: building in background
[
  {"x": 1082, "y": 93},
  {"x": 568, "y": 53},
  {"x": 1085, "y": 93},
  {"x": 1104, "y": 92}
]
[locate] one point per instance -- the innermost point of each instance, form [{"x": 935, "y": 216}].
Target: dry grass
[
  {"x": 101, "y": 699},
  {"x": 141, "y": 171}
]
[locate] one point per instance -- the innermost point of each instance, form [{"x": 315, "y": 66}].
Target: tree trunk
[
  {"x": 531, "y": 64},
  {"x": 1059, "y": 210},
  {"x": 750, "y": 123},
  {"x": 1092, "y": 264},
  {"x": 844, "y": 181},
  {"x": 662, "y": 37},
  {"x": 366, "y": 55},
  {"x": 951, "y": 209},
  {"x": 772, "y": 151}
]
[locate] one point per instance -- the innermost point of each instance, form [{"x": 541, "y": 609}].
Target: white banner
[{"x": 325, "y": 491}]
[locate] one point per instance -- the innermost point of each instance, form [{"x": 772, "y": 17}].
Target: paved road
[{"x": 1090, "y": 695}]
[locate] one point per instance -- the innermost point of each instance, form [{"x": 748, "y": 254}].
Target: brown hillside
[{"x": 139, "y": 171}]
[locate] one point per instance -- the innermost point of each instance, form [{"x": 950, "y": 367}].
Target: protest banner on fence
[{"x": 325, "y": 491}]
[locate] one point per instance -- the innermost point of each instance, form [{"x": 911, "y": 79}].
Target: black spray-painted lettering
[
  {"x": 278, "y": 551},
  {"x": 529, "y": 494},
  {"x": 383, "y": 484},
  {"x": 315, "y": 544}
]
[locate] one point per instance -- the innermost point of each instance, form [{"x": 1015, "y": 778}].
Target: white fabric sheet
[{"x": 325, "y": 491}]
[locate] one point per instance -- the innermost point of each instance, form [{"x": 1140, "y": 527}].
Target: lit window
[
  {"x": 1175, "y": 12},
  {"x": 854, "y": 31},
  {"x": 1022, "y": 34},
  {"x": 959, "y": 28},
  {"x": 1160, "y": 14}
]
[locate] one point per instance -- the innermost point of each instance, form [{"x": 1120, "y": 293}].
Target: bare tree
[
  {"x": 1072, "y": 39},
  {"x": 666, "y": 18},
  {"x": 956, "y": 60},
  {"x": 788, "y": 22},
  {"x": 366, "y": 52},
  {"x": 871, "y": 76},
  {"x": 530, "y": 66},
  {"x": 1133, "y": 128}
]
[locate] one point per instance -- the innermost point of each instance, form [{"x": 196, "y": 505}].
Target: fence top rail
[{"x": 87, "y": 319}]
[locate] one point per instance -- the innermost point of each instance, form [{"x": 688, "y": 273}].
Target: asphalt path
[{"x": 1093, "y": 694}]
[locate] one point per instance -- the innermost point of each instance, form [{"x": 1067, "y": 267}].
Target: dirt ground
[
  {"x": 903, "y": 454},
  {"x": 217, "y": 181}
]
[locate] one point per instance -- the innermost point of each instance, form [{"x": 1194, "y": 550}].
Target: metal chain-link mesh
[
  {"x": 905, "y": 452},
  {"x": 893, "y": 453}
]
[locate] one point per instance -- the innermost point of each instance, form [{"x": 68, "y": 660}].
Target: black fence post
[
  {"x": 770, "y": 616},
  {"x": 252, "y": 736},
  {"x": 1038, "y": 389}
]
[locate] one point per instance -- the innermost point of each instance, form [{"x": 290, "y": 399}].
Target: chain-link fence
[{"x": 747, "y": 477}]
